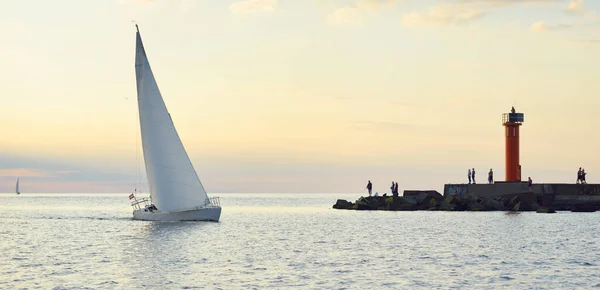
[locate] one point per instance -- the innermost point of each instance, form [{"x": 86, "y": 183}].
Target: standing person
[
  {"x": 491, "y": 176},
  {"x": 369, "y": 187},
  {"x": 529, "y": 183},
  {"x": 396, "y": 189},
  {"x": 392, "y": 188},
  {"x": 469, "y": 174},
  {"x": 473, "y": 176},
  {"x": 579, "y": 175}
]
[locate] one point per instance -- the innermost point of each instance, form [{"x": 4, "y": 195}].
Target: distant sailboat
[
  {"x": 17, "y": 187},
  {"x": 176, "y": 193}
]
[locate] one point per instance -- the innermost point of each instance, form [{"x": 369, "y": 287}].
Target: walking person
[
  {"x": 469, "y": 174},
  {"x": 473, "y": 176},
  {"x": 392, "y": 188},
  {"x": 529, "y": 183},
  {"x": 369, "y": 187},
  {"x": 491, "y": 176},
  {"x": 583, "y": 176},
  {"x": 579, "y": 175},
  {"x": 396, "y": 189}
]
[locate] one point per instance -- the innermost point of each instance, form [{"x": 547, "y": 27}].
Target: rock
[
  {"x": 516, "y": 207},
  {"x": 510, "y": 201},
  {"x": 368, "y": 203},
  {"x": 410, "y": 199},
  {"x": 447, "y": 207},
  {"x": 430, "y": 199},
  {"x": 545, "y": 210},
  {"x": 342, "y": 204},
  {"x": 398, "y": 203},
  {"x": 422, "y": 196},
  {"x": 461, "y": 203},
  {"x": 376, "y": 202},
  {"x": 362, "y": 206},
  {"x": 475, "y": 206},
  {"x": 449, "y": 203},
  {"x": 434, "y": 201},
  {"x": 448, "y": 199},
  {"x": 528, "y": 202},
  {"x": 451, "y": 199},
  {"x": 406, "y": 207},
  {"x": 497, "y": 205},
  {"x": 585, "y": 208}
]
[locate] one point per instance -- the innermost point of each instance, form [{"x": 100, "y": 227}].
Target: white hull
[{"x": 204, "y": 214}]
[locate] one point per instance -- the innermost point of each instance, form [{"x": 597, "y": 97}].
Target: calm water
[{"x": 289, "y": 241}]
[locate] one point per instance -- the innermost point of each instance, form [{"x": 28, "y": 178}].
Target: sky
[{"x": 299, "y": 96}]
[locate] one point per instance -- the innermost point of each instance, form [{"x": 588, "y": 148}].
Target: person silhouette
[{"x": 469, "y": 174}]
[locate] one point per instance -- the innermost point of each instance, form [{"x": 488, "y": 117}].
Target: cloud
[
  {"x": 345, "y": 16},
  {"x": 383, "y": 125},
  {"x": 53, "y": 186},
  {"x": 32, "y": 172},
  {"x": 576, "y": 7},
  {"x": 136, "y": 1},
  {"x": 375, "y": 4},
  {"x": 583, "y": 42},
  {"x": 40, "y": 174},
  {"x": 541, "y": 26},
  {"x": 503, "y": 3},
  {"x": 480, "y": 65},
  {"x": 251, "y": 6},
  {"x": 446, "y": 15},
  {"x": 353, "y": 13},
  {"x": 457, "y": 12}
]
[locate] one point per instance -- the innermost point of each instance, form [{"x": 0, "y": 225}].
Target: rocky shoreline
[{"x": 434, "y": 201}]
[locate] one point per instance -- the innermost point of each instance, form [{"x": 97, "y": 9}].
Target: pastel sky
[{"x": 302, "y": 95}]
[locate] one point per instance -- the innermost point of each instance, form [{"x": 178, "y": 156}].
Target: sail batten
[{"x": 173, "y": 181}]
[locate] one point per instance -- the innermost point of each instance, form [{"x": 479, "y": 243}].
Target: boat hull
[{"x": 203, "y": 214}]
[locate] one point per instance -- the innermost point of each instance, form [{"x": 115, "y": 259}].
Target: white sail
[
  {"x": 17, "y": 187},
  {"x": 174, "y": 184}
]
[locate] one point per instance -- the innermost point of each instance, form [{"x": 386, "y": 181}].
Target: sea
[{"x": 289, "y": 241}]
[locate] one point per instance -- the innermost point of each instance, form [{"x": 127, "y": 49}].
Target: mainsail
[
  {"x": 17, "y": 187},
  {"x": 174, "y": 184}
]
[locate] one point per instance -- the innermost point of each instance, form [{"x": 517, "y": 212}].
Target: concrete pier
[{"x": 557, "y": 195}]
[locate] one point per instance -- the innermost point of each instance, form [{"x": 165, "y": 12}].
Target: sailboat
[
  {"x": 17, "y": 187},
  {"x": 176, "y": 193}
]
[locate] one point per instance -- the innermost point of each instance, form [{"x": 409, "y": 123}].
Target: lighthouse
[{"x": 512, "y": 122}]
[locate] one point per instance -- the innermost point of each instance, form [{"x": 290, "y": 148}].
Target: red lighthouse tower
[{"x": 512, "y": 121}]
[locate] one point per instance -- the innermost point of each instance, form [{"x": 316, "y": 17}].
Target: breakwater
[
  {"x": 487, "y": 197},
  {"x": 560, "y": 196}
]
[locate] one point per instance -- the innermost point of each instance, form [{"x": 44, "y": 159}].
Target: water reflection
[
  {"x": 169, "y": 245},
  {"x": 284, "y": 242}
]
